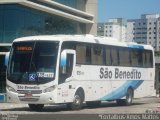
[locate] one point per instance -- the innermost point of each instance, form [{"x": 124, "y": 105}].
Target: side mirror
[{"x": 6, "y": 59}]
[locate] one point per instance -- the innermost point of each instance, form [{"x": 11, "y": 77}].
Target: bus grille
[
  {"x": 29, "y": 99},
  {"x": 29, "y": 91}
]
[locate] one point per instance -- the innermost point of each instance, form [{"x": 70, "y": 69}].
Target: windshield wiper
[{"x": 33, "y": 64}]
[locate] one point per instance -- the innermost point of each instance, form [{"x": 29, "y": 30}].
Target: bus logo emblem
[{"x": 32, "y": 77}]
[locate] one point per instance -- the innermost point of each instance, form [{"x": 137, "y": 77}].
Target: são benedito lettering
[
  {"x": 105, "y": 73},
  {"x": 133, "y": 74}
]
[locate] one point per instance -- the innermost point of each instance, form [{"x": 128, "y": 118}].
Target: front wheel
[
  {"x": 77, "y": 101},
  {"x": 36, "y": 107}
]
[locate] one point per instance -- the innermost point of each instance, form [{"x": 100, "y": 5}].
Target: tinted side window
[
  {"x": 124, "y": 57},
  {"x": 134, "y": 57},
  {"x": 114, "y": 55},
  {"x": 140, "y": 57},
  {"x": 80, "y": 54},
  {"x": 97, "y": 55},
  {"x": 68, "y": 45},
  {"x": 88, "y": 54},
  {"x": 148, "y": 59},
  {"x": 108, "y": 56}
]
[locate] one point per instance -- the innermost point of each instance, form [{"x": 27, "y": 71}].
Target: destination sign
[{"x": 24, "y": 48}]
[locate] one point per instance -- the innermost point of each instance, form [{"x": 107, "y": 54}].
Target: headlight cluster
[
  {"x": 50, "y": 89},
  {"x": 11, "y": 89}
]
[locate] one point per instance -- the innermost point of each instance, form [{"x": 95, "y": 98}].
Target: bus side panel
[{"x": 98, "y": 85}]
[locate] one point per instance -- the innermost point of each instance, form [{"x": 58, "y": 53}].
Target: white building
[
  {"x": 145, "y": 30},
  {"x": 116, "y": 28}
]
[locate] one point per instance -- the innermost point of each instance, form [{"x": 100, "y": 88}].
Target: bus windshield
[{"x": 32, "y": 62}]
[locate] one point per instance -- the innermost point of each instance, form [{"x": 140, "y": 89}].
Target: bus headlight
[
  {"x": 50, "y": 89},
  {"x": 11, "y": 89}
]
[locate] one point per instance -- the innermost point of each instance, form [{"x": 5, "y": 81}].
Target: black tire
[
  {"x": 36, "y": 107},
  {"x": 93, "y": 104},
  {"x": 77, "y": 101},
  {"x": 128, "y": 100}
]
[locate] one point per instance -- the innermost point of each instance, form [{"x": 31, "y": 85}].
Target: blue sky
[{"x": 128, "y": 9}]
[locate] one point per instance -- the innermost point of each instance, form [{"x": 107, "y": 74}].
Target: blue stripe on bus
[
  {"x": 121, "y": 91},
  {"x": 136, "y": 46}
]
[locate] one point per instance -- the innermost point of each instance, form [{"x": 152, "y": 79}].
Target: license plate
[{"x": 28, "y": 95}]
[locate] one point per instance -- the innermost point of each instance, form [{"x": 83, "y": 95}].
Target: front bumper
[{"x": 43, "y": 98}]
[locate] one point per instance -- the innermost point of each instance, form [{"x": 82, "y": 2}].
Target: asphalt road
[{"x": 151, "y": 105}]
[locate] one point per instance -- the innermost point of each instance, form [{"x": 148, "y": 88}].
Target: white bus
[{"x": 77, "y": 69}]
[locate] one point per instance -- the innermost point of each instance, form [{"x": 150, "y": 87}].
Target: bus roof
[{"x": 84, "y": 38}]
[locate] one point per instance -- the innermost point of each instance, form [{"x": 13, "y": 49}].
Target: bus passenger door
[{"x": 67, "y": 63}]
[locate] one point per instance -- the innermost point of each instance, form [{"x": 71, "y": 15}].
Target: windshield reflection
[{"x": 32, "y": 62}]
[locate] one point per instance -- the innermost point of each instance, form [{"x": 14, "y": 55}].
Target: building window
[
  {"x": 144, "y": 28},
  {"x": 144, "y": 32},
  {"x": 150, "y": 23},
  {"x": 20, "y": 21},
  {"x": 138, "y": 28}
]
